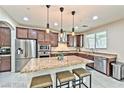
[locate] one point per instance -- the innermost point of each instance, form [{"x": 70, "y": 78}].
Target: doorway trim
[{"x": 13, "y": 37}]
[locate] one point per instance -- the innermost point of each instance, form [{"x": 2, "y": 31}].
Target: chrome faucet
[{"x": 92, "y": 49}]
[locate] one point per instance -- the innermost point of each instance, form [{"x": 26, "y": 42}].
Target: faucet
[{"x": 92, "y": 49}]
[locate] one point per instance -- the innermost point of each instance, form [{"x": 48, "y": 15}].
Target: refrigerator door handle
[{"x": 19, "y": 51}]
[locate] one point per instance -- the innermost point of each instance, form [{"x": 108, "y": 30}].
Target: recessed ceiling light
[
  {"x": 25, "y": 18},
  {"x": 55, "y": 24},
  {"x": 95, "y": 17}
]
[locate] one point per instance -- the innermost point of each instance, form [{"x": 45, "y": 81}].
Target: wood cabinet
[
  {"x": 82, "y": 44},
  {"x": 21, "y": 32},
  {"x": 5, "y": 63},
  {"x": 47, "y": 37},
  {"x": 54, "y": 39},
  {"x": 32, "y": 34},
  {"x": 70, "y": 41},
  {"x": 40, "y": 35},
  {"x": 5, "y": 36},
  {"x": 78, "y": 40}
]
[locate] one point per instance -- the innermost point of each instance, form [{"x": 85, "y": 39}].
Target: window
[
  {"x": 96, "y": 40},
  {"x": 90, "y": 41},
  {"x": 101, "y": 40}
]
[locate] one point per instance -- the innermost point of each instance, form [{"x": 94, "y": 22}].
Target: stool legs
[
  {"x": 68, "y": 84},
  {"x": 73, "y": 83},
  {"x": 79, "y": 83},
  {"x": 90, "y": 81}
]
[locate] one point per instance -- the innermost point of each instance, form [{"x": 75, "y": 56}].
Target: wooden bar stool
[
  {"x": 65, "y": 78},
  {"x": 44, "y": 81},
  {"x": 81, "y": 73}
]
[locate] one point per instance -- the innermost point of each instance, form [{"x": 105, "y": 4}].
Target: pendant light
[
  {"x": 61, "y": 30},
  {"x": 73, "y": 13},
  {"x": 47, "y": 28}
]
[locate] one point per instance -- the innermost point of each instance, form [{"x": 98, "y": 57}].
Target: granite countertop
[
  {"x": 105, "y": 55},
  {"x": 5, "y": 55},
  {"x": 37, "y": 64},
  {"x": 57, "y": 52}
]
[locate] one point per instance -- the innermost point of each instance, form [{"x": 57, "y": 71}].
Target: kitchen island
[
  {"x": 109, "y": 58},
  {"x": 51, "y": 65}
]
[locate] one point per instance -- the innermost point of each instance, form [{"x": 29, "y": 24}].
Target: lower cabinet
[{"x": 5, "y": 63}]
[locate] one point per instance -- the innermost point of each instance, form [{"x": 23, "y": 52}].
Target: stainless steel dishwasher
[{"x": 100, "y": 64}]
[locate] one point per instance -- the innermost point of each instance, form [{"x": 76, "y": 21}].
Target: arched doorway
[{"x": 13, "y": 37}]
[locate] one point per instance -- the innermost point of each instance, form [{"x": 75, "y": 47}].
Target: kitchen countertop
[
  {"x": 37, "y": 64},
  {"x": 5, "y": 55},
  {"x": 105, "y": 55}
]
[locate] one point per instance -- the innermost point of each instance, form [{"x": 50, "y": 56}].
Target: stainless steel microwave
[{"x": 43, "y": 47}]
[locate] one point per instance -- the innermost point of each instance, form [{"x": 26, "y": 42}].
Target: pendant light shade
[
  {"x": 61, "y": 30},
  {"x": 47, "y": 27},
  {"x": 73, "y": 33}
]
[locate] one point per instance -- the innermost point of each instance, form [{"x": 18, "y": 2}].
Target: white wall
[
  {"x": 5, "y": 18},
  {"x": 115, "y": 38}
]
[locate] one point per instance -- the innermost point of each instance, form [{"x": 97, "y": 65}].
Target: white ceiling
[{"x": 83, "y": 16}]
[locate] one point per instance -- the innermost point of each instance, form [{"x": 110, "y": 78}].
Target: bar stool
[
  {"x": 41, "y": 82},
  {"x": 81, "y": 73},
  {"x": 65, "y": 78}
]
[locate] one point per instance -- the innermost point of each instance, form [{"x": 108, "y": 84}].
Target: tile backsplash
[{"x": 62, "y": 47}]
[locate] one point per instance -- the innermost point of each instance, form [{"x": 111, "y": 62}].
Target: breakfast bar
[{"x": 51, "y": 65}]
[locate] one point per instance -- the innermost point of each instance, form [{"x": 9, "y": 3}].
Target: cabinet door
[
  {"x": 32, "y": 34},
  {"x": 82, "y": 41},
  {"x": 47, "y": 37},
  {"x": 41, "y": 36},
  {"x": 5, "y": 64},
  {"x": 21, "y": 32},
  {"x": 0, "y": 36},
  {"x": 54, "y": 39},
  {"x": 78, "y": 40},
  {"x": 70, "y": 41},
  {"x": 5, "y": 36}
]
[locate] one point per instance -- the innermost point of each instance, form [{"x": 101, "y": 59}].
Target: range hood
[{"x": 63, "y": 38}]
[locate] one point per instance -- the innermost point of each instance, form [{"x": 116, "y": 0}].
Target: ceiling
[{"x": 83, "y": 16}]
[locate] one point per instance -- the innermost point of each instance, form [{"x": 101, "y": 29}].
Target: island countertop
[{"x": 38, "y": 64}]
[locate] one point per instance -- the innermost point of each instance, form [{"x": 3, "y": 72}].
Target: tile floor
[{"x": 18, "y": 80}]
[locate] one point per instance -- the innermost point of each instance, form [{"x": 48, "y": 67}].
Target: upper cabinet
[
  {"x": 47, "y": 37},
  {"x": 40, "y": 35},
  {"x": 21, "y": 32},
  {"x": 82, "y": 40},
  {"x": 78, "y": 40},
  {"x": 70, "y": 40},
  {"x": 26, "y": 33},
  {"x": 43, "y": 37},
  {"x": 54, "y": 39},
  {"x": 5, "y": 36},
  {"x": 32, "y": 34},
  {"x": 75, "y": 41}
]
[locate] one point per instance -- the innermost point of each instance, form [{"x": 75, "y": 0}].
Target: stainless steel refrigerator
[{"x": 25, "y": 50}]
